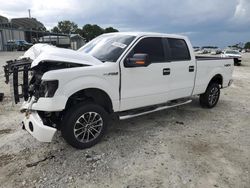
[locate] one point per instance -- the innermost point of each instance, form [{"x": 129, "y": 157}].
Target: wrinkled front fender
[{"x": 54, "y": 104}]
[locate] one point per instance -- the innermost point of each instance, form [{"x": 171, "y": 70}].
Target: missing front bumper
[{"x": 20, "y": 85}]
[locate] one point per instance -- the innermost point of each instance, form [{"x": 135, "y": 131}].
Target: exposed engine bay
[
  {"x": 31, "y": 84},
  {"x": 25, "y": 77},
  {"x": 28, "y": 84}
]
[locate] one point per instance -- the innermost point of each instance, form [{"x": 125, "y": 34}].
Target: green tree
[
  {"x": 55, "y": 30},
  {"x": 65, "y": 26},
  {"x": 91, "y": 31},
  {"x": 247, "y": 45},
  {"x": 110, "y": 30},
  {"x": 79, "y": 31},
  {"x": 88, "y": 31}
]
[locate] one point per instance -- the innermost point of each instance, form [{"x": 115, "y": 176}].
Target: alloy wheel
[{"x": 88, "y": 127}]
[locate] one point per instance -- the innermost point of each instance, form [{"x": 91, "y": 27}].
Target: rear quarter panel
[{"x": 208, "y": 68}]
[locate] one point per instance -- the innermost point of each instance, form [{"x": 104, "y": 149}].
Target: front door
[{"x": 144, "y": 86}]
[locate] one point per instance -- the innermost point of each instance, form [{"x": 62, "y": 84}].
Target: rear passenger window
[
  {"x": 178, "y": 49},
  {"x": 151, "y": 46}
]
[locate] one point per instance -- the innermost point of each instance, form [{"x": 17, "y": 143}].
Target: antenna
[{"x": 29, "y": 13}]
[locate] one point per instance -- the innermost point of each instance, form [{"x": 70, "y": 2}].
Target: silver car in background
[{"x": 233, "y": 54}]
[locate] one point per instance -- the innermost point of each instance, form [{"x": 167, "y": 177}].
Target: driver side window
[{"x": 151, "y": 46}]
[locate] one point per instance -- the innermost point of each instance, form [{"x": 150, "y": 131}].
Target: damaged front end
[
  {"x": 27, "y": 81},
  {"x": 19, "y": 72},
  {"x": 42, "y": 119},
  {"x": 42, "y": 105}
]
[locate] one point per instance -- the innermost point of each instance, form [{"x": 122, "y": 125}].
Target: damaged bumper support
[
  {"x": 34, "y": 125},
  {"x": 14, "y": 67}
]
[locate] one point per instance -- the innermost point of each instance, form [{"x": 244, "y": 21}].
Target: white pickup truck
[{"x": 121, "y": 74}]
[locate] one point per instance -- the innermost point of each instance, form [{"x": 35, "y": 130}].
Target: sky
[{"x": 205, "y": 22}]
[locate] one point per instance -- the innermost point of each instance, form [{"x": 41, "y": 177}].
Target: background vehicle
[
  {"x": 203, "y": 51},
  {"x": 121, "y": 74},
  {"x": 19, "y": 45},
  {"x": 11, "y": 45},
  {"x": 59, "y": 41},
  {"x": 233, "y": 54},
  {"x": 196, "y": 48},
  {"x": 23, "y": 45},
  {"x": 216, "y": 51}
]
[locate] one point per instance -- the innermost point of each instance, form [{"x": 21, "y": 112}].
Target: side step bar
[{"x": 128, "y": 116}]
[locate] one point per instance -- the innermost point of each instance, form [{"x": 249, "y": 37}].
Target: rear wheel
[
  {"x": 211, "y": 97},
  {"x": 84, "y": 125}
]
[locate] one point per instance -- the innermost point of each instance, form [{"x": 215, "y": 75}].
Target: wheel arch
[
  {"x": 95, "y": 95},
  {"x": 218, "y": 78}
]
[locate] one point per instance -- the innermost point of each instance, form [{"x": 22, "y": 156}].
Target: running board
[{"x": 123, "y": 117}]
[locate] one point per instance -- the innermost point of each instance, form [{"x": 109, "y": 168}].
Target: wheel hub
[
  {"x": 214, "y": 94},
  {"x": 88, "y": 127}
]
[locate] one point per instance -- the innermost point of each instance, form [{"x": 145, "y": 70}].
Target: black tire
[
  {"x": 210, "y": 98},
  {"x": 82, "y": 119},
  {"x": 236, "y": 62}
]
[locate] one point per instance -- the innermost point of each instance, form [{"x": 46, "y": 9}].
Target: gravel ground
[{"x": 187, "y": 146}]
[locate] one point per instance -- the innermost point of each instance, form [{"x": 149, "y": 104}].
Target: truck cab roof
[{"x": 152, "y": 34}]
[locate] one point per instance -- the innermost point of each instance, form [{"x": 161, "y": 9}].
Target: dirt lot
[{"x": 182, "y": 147}]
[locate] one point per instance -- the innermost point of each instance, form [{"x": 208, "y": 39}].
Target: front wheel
[
  {"x": 84, "y": 125},
  {"x": 211, "y": 97}
]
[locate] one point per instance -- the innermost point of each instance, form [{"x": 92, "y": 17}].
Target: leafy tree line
[
  {"x": 88, "y": 31},
  {"x": 241, "y": 45},
  {"x": 247, "y": 45}
]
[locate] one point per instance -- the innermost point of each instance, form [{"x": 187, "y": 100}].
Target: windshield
[{"x": 107, "y": 47}]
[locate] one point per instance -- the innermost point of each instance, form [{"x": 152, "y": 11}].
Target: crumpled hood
[{"x": 45, "y": 52}]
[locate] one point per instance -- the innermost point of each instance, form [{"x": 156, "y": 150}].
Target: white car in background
[
  {"x": 233, "y": 54},
  {"x": 216, "y": 51}
]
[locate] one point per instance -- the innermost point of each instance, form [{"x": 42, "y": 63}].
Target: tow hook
[
  {"x": 27, "y": 113},
  {"x": 28, "y": 110}
]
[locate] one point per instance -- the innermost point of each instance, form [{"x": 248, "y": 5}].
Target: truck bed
[
  {"x": 208, "y": 67},
  {"x": 200, "y": 58}
]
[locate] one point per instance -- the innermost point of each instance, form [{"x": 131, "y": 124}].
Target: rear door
[
  {"x": 182, "y": 68},
  {"x": 144, "y": 86}
]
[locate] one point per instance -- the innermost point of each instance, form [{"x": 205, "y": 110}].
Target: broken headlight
[{"x": 48, "y": 88}]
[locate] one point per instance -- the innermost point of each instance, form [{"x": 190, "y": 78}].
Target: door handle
[
  {"x": 191, "y": 68},
  {"x": 166, "y": 71}
]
